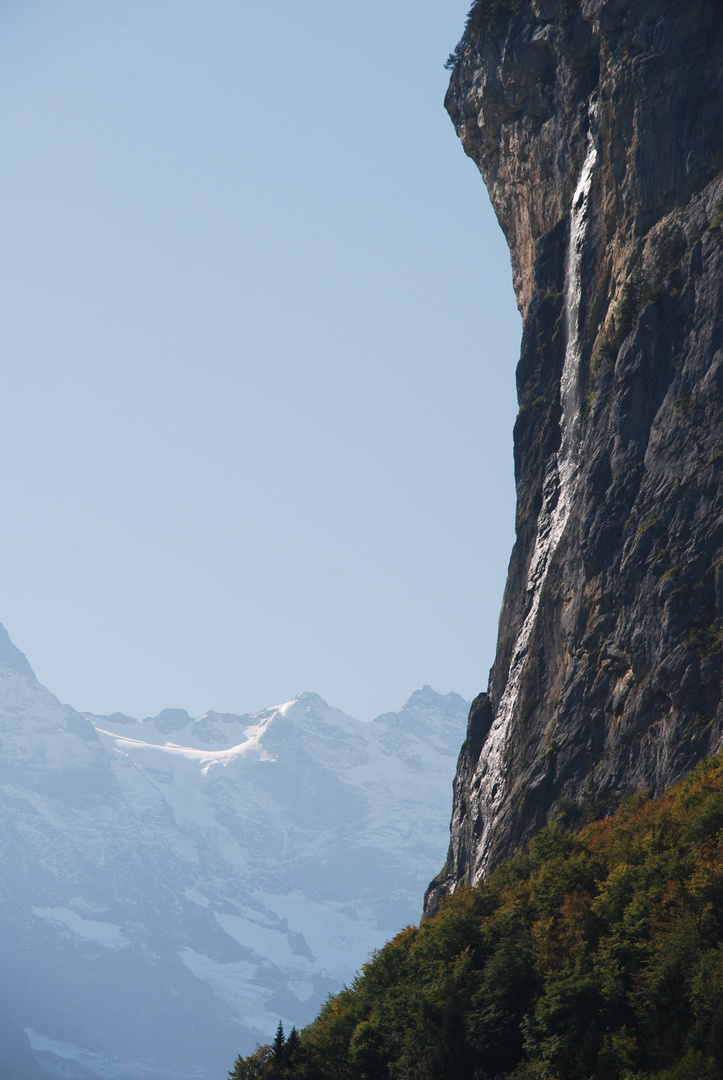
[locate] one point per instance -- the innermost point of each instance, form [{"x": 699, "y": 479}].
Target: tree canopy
[{"x": 595, "y": 955}]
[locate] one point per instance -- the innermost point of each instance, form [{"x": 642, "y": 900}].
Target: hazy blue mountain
[{"x": 172, "y": 887}]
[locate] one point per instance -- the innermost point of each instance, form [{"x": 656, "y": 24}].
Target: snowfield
[{"x": 173, "y": 887}]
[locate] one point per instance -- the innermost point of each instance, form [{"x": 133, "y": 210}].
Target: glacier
[{"x": 173, "y": 887}]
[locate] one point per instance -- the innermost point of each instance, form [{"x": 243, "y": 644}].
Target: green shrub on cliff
[{"x": 595, "y": 956}]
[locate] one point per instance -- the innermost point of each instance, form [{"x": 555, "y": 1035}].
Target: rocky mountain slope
[
  {"x": 173, "y": 887},
  {"x": 596, "y": 125}
]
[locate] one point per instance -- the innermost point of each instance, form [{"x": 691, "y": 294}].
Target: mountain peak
[
  {"x": 425, "y": 696},
  {"x": 309, "y": 697},
  {"x": 169, "y": 721},
  {"x": 11, "y": 659}
]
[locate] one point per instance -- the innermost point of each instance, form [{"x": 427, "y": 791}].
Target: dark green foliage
[
  {"x": 277, "y": 1047},
  {"x": 594, "y": 956}
]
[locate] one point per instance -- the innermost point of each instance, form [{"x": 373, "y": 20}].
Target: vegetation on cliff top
[{"x": 595, "y": 956}]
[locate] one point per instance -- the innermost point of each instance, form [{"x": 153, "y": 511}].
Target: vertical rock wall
[{"x": 598, "y": 129}]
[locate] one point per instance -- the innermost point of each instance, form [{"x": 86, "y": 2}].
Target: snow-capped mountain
[{"x": 173, "y": 887}]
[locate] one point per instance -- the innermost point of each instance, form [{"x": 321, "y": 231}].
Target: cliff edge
[{"x": 598, "y": 129}]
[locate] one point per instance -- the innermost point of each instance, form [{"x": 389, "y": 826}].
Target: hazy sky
[{"x": 259, "y": 340}]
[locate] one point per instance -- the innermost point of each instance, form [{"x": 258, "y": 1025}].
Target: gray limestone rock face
[{"x": 598, "y": 130}]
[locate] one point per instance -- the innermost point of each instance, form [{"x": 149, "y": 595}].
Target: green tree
[
  {"x": 253, "y": 1067},
  {"x": 278, "y": 1051}
]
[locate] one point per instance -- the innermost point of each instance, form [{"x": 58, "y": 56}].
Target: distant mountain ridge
[{"x": 172, "y": 887}]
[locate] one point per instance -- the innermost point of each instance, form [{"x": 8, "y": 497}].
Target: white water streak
[{"x": 558, "y": 491}]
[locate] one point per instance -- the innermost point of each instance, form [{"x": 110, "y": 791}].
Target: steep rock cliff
[{"x": 598, "y": 129}]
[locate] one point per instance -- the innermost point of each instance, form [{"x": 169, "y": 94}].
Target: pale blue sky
[{"x": 259, "y": 341}]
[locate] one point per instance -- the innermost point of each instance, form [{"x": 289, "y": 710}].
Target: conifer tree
[
  {"x": 292, "y": 1049},
  {"x": 278, "y": 1049}
]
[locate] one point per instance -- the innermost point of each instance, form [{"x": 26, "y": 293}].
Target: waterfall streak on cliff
[{"x": 557, "y": 495}]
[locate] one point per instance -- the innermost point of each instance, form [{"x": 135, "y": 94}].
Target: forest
[{"x": 595, "y": 954}]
